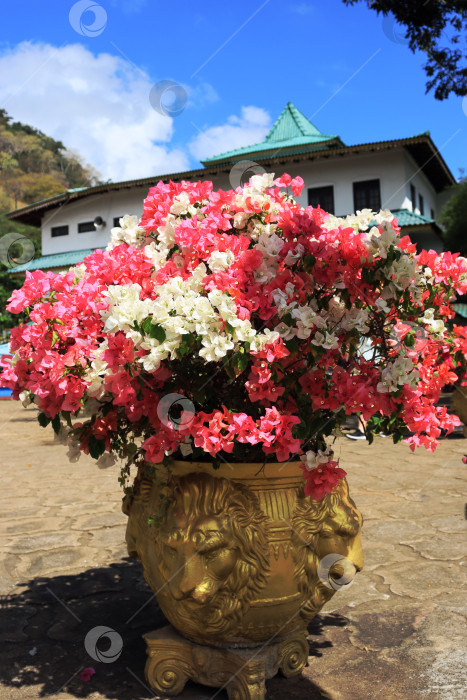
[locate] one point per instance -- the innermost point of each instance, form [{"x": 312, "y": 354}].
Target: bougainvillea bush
[{"x": 238, "y": 326}]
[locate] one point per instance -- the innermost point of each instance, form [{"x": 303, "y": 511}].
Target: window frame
[
  {"x": 413, "y": 196},
  {"x": 88, "y": 230},
  {"x": 421, "y": 204},
  {"x": 330, "y": 190},
  {"x": 54, "y": 229},
  {"x": 359, "y": 183}
]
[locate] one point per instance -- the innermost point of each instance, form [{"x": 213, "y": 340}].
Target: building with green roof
[{"x": 407, "y": 175}]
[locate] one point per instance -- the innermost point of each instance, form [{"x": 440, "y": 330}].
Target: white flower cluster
[
  {"x": 397, "y": 374},
  {"x": 325, "y": 324},
  {"x": 312, "y": 460},
  {"x": 254, "y": 192},
  {"x": 128, "y": 232},
  {"x": 360, "y": 221},
  {"x": 181, "y": 307},
  {"x": 270, "y": 245},
  {"x": 219, "y": 261},
  {"x": 96, "y": 373},
  {"x": 434, "y": 325}
]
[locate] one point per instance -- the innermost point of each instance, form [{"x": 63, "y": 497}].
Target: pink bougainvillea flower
[
  {"x": 322, "y": 479},
  {"x": 238, "y": 325},
  {"x": 87, "y": 673}
]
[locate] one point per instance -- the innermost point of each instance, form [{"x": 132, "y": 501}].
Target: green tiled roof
[
  {"x": 73, "y": 257},
  {"x": 291, "y": 130},
  {"x": 405, "y": 217}
]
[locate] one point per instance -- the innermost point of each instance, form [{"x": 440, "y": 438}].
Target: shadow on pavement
[{"x": 44, "y": 625}]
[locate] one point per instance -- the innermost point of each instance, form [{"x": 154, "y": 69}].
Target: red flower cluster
[
  {"x": 322, "y": 479},
  {"x": 271, "y": 322}
]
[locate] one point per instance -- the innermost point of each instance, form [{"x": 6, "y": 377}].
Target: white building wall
[
  {"x": 342, "y": 172},
  {"x": 414, "y": 176},
  {"x": 394, "y": 169},
  {"x": 108, "y": 205}
]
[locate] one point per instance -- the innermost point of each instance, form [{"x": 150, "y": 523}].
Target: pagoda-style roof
[{"x": 291, "y": 132}]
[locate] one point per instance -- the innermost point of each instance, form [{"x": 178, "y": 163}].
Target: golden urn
[{"x": 240, "y": 561}]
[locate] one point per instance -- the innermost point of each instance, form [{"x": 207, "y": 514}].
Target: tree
[
  {"x": 453, "y": 218},
  {"x": 37, "y": 186},
  {"x": 35, "y": 166},
  {"x": 7, "y": 282},
  {"x": 10, "y": 176},
  {"x": 438, "y": 28}
]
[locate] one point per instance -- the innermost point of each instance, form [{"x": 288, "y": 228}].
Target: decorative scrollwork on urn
[{"x": 294, "y": 656}]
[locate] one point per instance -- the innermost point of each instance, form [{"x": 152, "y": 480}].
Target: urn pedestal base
[{"x": 172, "y": 660}]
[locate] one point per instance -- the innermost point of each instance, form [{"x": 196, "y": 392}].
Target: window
[
  {"x": 59, "y": 231},
  {"x": 367, "y": 195},
  {"x": 421, "y": 204},
  {"x": 86, "y": 227},
  {"x": 117, "y": 221},
  {"x": 413, "y": 197},
  {"x": 432, "y": 213},
  {"x": 324, "y": 196}
]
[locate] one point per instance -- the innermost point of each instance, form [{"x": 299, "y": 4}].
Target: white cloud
[
  {"x": 251, "y": 127},
  {"x": 97, "y": 105}
]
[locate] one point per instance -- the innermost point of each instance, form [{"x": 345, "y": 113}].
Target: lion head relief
[
  {"x": 212, "y": 549},
  {"x": 322, "y": 529}
]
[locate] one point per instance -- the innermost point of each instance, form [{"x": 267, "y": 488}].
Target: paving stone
[{"x": 398, "y": 633}]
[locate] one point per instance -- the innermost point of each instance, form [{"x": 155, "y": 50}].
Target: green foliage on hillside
[
  {"x": 34, "y": 166},
  {"x": 7, "y": 282}
]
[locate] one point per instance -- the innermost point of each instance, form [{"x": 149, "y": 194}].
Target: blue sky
[{"x": 239, "y": 63}]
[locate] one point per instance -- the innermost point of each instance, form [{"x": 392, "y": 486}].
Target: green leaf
[
  {"x": 226, "y": 361},
  {"x": 66, "y": 415},
  {"x": 43, "y": 420},
  {"x": 96, "y": 447},
  {"x": 300, "y": 431},
  {"x": 55, "y": 338},
  {"x": 409, "y": 339},
  {"x": 153, "y": 330},
  {"x": 291, "y": 345},
  {"x": 56, "y": 425},
  {"x": 199, "y": 395},
  {"x": 186, "y": 345},
  {"x": 229, "y": 328},
  {"x": 240, "y": 362}
]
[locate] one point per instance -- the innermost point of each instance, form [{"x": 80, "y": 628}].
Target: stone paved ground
[{"x": 398, "y": 633}]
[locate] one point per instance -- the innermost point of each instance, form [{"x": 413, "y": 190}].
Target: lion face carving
[
  {"x": 320, "y": 530},
  {"x": 212, "y": 555}
]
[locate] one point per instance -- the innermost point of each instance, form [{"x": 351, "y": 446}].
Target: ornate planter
[{"x": 240, "y": 561}]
